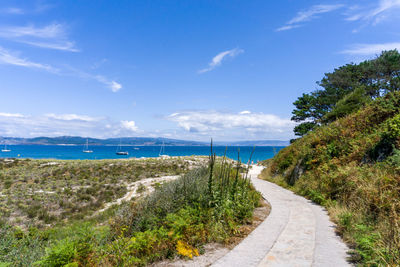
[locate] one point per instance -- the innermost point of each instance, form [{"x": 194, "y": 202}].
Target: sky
[{"x": 193, "y": 70}]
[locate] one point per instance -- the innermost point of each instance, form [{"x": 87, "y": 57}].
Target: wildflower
[{"x": 186, "y": 250}]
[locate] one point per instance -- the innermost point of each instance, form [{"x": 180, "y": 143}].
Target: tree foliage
[{"x": 347, "y": 89}]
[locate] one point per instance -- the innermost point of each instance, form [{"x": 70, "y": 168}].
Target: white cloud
[
  {"x": 307, "y": 15},
  {"x": 287, "y": 27},
  {"x": 49, "y": 31},
  {"x": 11, "y": 115},
  {"x": 19, "y": 125},
  {"x": 217, "y": 60},
  {"x": 66, "y": 45},
  {"x": 70, "y": 117},
  {"x": 376, "y": 13},
  {"x": 245, "y": 124},
  {"x": 129, "y": 125},
  {"x": 113, "y": 85},
  {"x": 52, "y": 36},
  {"x": 368, "y": 14},
  {"x": 6, "y": 57},
  {"x": 371, "y": 49},
  {"x": 9, "y": 58}
]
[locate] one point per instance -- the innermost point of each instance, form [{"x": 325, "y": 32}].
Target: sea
[{"x": 74, "y": 152}]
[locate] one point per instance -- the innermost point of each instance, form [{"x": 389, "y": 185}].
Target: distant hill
[
  {"x": 255, "y": 143},
  {"x": 134, "y": 141},
  {"x": 76, "y": 140}
]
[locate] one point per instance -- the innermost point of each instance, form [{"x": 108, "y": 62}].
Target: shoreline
[{"x": 60, "y": 152}]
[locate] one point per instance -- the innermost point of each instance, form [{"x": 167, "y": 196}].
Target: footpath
[{"x": 296, "y": 233}]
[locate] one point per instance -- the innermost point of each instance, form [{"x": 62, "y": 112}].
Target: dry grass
[
  {"x": 352, "y": 167},
  {"x": 46, "y": 192}
]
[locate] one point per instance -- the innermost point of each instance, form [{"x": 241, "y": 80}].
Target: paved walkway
[{"x": 296, "y": 233}]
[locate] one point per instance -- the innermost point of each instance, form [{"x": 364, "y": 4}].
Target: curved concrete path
[{"x": 296, "y": 233}]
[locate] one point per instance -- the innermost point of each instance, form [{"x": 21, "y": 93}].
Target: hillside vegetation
[
  {"x": 45, "y": 192},
  {"x": 352, "y": 166},
  {"x": 206, "y": 204},
  {"x": 346, "y": 90}
]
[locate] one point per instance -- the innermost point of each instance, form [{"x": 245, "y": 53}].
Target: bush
[
  {"x": 394, "y": 160},
  {"x": 61, "y": 254},
  {"x": 8, "y": 183},
  {"x": 206, "y": 204},
  {"x": 352, "y": 164},
  {"x": 74, "y": 250},
  {"x": 18, "y": 248},
  {"x": 393, "y": 127}
]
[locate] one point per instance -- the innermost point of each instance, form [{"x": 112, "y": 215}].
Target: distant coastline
[
  {"x": 131, "y": 141},
  {"x": 75, "y": 152}
]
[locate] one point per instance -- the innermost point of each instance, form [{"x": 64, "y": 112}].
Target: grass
[
  {"x": 44, "y": 192},
  {"x": 207, "y": 204},
  {"x": 352, "y": 167}
]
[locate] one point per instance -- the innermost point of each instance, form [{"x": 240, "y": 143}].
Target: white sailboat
[
  {"x": 5, "y": 149},
  {"x": 86, "y": 148},
  {"x": 162, "y": 151},
  {"x": 120, "y": 152}
]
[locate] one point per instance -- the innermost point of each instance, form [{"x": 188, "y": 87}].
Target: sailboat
[
  {"x": 162, "y": 151},
  {"x": 119, "y": 150},
  {"x": 5, "y": 149},
  {"x": 86, "y": 148}
]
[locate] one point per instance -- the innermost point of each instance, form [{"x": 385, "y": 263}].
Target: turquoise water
[{"x": 108, "y": 152}]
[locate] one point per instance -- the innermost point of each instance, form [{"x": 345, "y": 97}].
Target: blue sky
[{"x": 179, "y": 69}]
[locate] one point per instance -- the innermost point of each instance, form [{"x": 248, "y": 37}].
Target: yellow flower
[{"x": 186, "y": 250}]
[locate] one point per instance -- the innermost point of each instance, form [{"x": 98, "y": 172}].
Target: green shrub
[
  {"x": 8, "y": 183},
  {"x": 352, "y": 164},
  {"x": 393, "y": 127},
  {"x": 316, "y": 197},
  {"x": 139, "y": 249},
  {"x": 75, "y": 246},
  {"x": 177, "y": 219},
  {"x": 394, "y": 160},
  {"x": 181, "y": 216},
  {"x": 285, "y": 163},
  {"x": 61, "y": 254},
  {"x": 365, "y": 243},
  {"x": 345, "y": 221},
  {"x": 18, "y": 247},
  {"x": 18, "y": 233}
]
